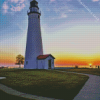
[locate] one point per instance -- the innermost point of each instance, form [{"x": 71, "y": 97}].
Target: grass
[
  {"x": 84, "y": 70},
  {"x": 5, "y": 96},
  {"x": 47, "y": 83}
]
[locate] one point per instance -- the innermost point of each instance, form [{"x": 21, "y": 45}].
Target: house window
[{"x": 26, "y": 62}]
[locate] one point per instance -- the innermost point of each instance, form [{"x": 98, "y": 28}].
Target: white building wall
[
  {"x": 34, "y": 41},
  {"x": 41, "y": 64}
]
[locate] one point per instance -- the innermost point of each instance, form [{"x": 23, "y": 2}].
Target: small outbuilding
[{"x": 45, "y": 61}]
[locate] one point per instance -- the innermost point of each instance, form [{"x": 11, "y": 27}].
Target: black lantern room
[{"x": 34, "y": 7}]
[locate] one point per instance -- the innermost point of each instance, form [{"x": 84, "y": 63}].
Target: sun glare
[{"x": 90, "y": 64}]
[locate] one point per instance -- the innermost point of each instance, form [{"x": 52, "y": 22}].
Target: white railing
[{"x": 33, "y": 11}]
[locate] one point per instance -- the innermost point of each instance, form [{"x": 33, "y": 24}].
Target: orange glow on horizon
[
  {"x": 62, "y": 60},
  {"x": 69, "y": 62},
  {"x": 7, "y": 59},
  {"x": 77, "y": 59}
]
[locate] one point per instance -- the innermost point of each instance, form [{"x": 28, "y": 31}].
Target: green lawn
[
  {"x": 83, "y": 70},
  {"x": 47, "y": 83},
  {"x": 5, "y": 96}
]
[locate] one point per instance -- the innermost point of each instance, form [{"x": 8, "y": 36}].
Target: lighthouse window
[
  {"x": 31, "y": 9},
  {"x": 38, "y": 16},
  {"x": 26, "y": 62}
]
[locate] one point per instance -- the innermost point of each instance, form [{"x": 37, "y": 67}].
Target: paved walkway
[
  {"x": 2, "y": 77},
  {"x": 91, "y": 89}
]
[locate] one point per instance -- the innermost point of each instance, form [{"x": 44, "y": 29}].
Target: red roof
[{"x": 44, "y": 56}]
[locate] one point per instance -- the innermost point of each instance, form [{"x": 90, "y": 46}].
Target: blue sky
[{"x": 69, "y": 28}]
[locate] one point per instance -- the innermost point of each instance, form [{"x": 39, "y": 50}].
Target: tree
[{"x": 19, "y": 60}]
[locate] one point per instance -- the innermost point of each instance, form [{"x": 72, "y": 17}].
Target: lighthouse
[
  {"x": 34, "y": 40},
  {"x": 34, "y": 58}
]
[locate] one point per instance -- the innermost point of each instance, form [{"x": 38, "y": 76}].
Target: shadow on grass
[{"x": 5, "y": 96}]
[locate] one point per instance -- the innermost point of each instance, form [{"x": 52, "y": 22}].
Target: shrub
[{"x": 76, "y": 66}]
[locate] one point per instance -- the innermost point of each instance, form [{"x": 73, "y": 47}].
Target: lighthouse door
[{"x": 49, "y": 64}]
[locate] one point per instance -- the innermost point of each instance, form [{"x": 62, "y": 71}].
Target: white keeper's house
[
  {"x": 34, "y": 58},
  {"x": 45, "y": 61}
]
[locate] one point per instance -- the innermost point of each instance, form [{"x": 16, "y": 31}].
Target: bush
[{"x": 76, "y": 66}]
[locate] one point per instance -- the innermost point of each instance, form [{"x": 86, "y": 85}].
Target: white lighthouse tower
[{"x": 34, "y": 40}]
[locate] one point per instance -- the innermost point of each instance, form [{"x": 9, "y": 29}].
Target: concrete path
[
  {"x": 20, "y": 94},
  {"x": 2, "y": 77},
  {"x": 91, "y": 89}
]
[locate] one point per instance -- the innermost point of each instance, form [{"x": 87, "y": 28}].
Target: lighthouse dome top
[{"x": 33, "y": 3}]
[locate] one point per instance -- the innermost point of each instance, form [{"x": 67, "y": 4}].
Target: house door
[{"x": 49, "y": 64}]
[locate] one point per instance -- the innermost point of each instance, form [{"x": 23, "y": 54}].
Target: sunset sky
[{"x": 70, "y": 30}]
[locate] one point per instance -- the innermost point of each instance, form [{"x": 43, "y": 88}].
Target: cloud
[
  {"x": 52, "y": 0},
  {"x": 5, "y": 7},
  {"x": 21, "y": 1},
  {"x": 13, "y": 6},
  {"x": 63, "y": 15},
  {"x": 95, "y": 0},
  {"x": 15, "y": 1},
  {"x": 64, "y": 8},
  {"x": 18, "y": 8},
  {"x": 71, "y": 10}
]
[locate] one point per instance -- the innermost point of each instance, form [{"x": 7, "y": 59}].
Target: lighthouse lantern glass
[
  {"x": 34, "y": 9},
  {"x": 36, "y": 4}
]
